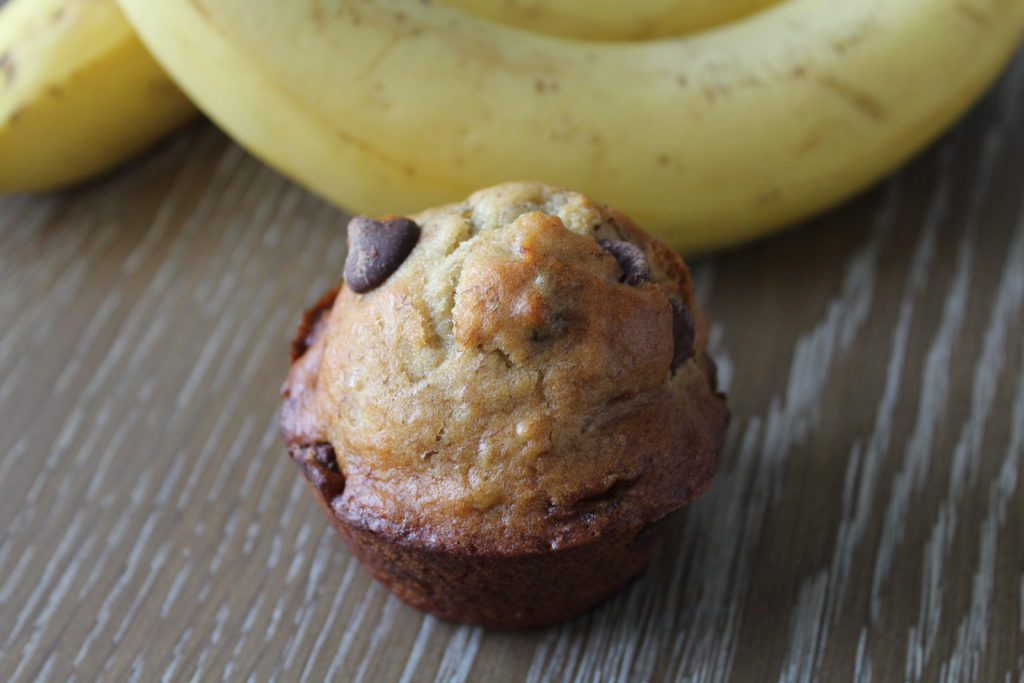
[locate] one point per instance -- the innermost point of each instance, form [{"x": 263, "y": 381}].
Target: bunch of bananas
[{"x": 709, "y": 121}]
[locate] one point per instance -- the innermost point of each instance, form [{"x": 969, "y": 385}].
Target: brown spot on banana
[
  {"x": 811, "y": 140},
  {"x": 668, "y": 164},
  {"x": 381, "y": 55},
  {"x": 860, "y": 100},
  {"x": 544, "y": 86},
  {"x": 855, "y": 35},
  {"x": 198, "y": 6}
]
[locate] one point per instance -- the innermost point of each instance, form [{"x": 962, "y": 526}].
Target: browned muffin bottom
[{"x": 501, "y": 418}]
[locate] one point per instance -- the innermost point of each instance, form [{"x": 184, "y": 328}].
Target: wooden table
[{"x": 867, "y": 521}]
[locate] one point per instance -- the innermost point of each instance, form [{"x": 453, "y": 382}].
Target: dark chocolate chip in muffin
[
  {"x": 376, "y": 249},
  {"x": 631, "y": 260},
  {"x": 320, "y": 465},
  {"x": 324, "y": 454},
  {"x": 682, "y": 332}
]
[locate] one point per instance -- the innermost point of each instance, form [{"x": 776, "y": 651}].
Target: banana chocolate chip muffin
[{"x": 503, "y": 400}]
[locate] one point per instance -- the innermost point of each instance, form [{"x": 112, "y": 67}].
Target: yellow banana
[
  {"x": 708, "y": 139},
  {"x": 612, "y": 19},
  {"x": 78, "y": 92}
]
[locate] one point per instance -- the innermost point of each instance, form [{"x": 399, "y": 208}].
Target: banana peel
[{"x": 79, "y": 93}]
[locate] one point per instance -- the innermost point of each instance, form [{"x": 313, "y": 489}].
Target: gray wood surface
[{"x": 867, "y": 521}]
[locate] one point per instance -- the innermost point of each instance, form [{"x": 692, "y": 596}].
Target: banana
[
  {"x": 612, "y": 19},
  {"x": 78, "y": 92},
  {"x": 708, "y": 139}
]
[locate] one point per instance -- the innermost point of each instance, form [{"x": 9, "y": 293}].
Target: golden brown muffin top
[{"x": 519, "y": 381}]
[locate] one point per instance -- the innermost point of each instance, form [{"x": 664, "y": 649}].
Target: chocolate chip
[
  {"x": 682, "y": 332},
  {"x": 631, "y": 260},
  {"x": 376, "y": 249},
  {"x": 319, "y": 463},
  {"x": 324, "y": 454}
]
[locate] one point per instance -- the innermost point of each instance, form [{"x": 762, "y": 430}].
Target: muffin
[{"x": 503, "y": 401}]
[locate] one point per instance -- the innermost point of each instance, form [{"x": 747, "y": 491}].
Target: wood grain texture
[{"x": 867, "y": 522}]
